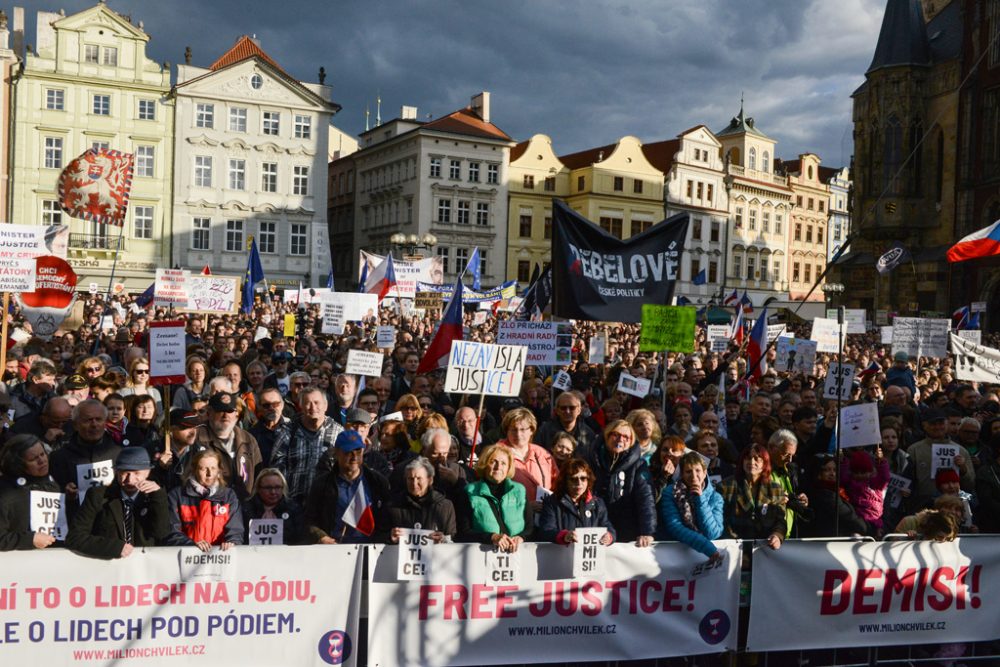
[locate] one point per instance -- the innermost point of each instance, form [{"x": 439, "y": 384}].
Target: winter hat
[
  {"x": 945, "y": 476},
  {"x": 861, "y": 462}
]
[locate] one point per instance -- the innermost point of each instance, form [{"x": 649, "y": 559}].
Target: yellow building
[
  {"x": 88, "y": 84},
  {"x": 535, "y": 176},
  {"x": 807, "y": 236}
]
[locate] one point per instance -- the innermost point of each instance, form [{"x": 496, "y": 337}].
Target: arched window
[
  {"x": 752, "y": 158},
  {"x": 892, "y": 155},
  {"x": 765, "y": 162},
  {"x": 810, "y": 172}
]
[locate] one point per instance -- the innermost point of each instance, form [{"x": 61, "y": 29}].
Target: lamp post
[
  {"x": 832, "y": 292},
  {"x": 409, "y": 243},
  {"x": 727, "y": 181}
]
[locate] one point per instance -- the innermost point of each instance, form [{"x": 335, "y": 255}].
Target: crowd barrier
[{"x": 460, "y": 604}]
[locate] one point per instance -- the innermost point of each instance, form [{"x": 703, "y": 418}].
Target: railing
[{"x": 96, "y": 242}]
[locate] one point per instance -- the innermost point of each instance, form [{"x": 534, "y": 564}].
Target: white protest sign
[
  {"x": 597, "y": 348},
  {"x": 213, "y": 294},
  {"x": 266, "y": 531},
  {"x": 943, "y": 458},
  {"x": 479, "y": 317},
  {"x": 357, "y": 305},
  {"x": 972, "y": 335},
  {"x": 107, "y": 323},
  {"x": 503, "y": 569},
  {"x": 853, "y": 317},
  {"x": 774, "y": 331},
  {"x": 548, "y": 343},
  {"x": 974, "y": 362},
  {"x": 859, "y": 425},
  {"x": 333, "y": 319},
  {"x": 718, "y": 331},
  {"x": 385, "y": 337},
  {"x": 167, "y": 352},
  {"x": 216, "y": 565},
  {"x": 827, "y": 334},
  {"x": 48, "y": 513},
  {"x": 562, "y": 381},
  {"x": 171, "y": 288},
  {"x": 364, "y": 363},
  {"x": 98, "y": 473},
  {"x": 886, "y": 338},
  {"x": 589, "y": 555},
  {"x": 392, "y": 417},
  {"x": 541, "y": 493},
  {"x": 843, "y": 372},
  {"x": 261, "y": 334},
  {"x": 795, "y": 355},
  {"x": 23, "y": 241},
  {"x": 415, "y": 547},
  {"x": 978, "y": 307},
  {"x": 94, "y": 288},
  {"x": 633, "y": 386},
  {"x": 17, "y": 275},
  {"x": 482, "y": 368},
  {"x": 920, "y": 337},
  {"x": 897, "y": 485}
]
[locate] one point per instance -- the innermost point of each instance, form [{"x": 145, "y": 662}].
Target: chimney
[
  {"x": 407, "y": 113},
  {"x": 19, "y": 32},
  {"x": 481, "y": 106},
  {"x": 45, "y": 45}
]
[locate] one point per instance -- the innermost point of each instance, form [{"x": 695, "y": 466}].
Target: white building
[
  {"x": 251, "y": 160},
  {"x": 839, "y": 223}
]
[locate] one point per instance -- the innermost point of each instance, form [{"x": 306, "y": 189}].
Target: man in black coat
[{"x": 131, "y": 512}]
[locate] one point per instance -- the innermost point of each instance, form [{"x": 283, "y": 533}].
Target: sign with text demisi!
[{"x": 481, "y": 368}]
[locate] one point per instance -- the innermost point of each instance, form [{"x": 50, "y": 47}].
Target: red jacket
[{"x": 193, "y": 518}]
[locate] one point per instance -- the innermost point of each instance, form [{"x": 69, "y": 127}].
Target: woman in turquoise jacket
[
  {"x": 495, "y": 509},
  {"x": 691, "y": 509}
]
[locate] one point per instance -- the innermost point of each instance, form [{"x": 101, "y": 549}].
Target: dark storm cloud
[{"x": 585, "y": 73}]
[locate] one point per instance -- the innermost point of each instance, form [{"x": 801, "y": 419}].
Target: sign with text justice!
[
  {"x": 597, "y": 276},
  {"x": 645, "y": 604},
  {"x": 271, "y": 605},
  {"x": 482, "y": 368},
  {"x": 875, "y": 593}
]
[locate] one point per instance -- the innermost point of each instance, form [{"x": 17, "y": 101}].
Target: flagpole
[
  {"x": 111, "y": 282},
  {"x": 3, "y": 332}
]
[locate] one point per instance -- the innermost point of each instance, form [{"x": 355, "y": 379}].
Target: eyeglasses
[
  {"x": 300, "y": 384},
  {"x": 620, "y": 435},
  {"x": 426, "y": 406},
  {"x": 568, "y": 408},
  {"x": 142, "y": 371},
  {"x": 276, "y": 404},
  {"x": 580, "y": 478},
  {"x": 93, "y": 369}
]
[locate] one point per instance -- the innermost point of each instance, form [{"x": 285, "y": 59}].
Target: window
[
  {"x": 776, "y": 276},
  {"x": 110, "y": 54},
  {"x": 701, "y": 190},
  {"x": 445, "y": 255},
  {"x": 266, "y": 238},
  {"x": 690, "y": 189},
  {"x": 474, "y": 172},
  {"x": 580, "y": 182},
  {"x": 808, "y": 273},
  {"x": 51, "y": 212},
  {"x": 463, "y": 211},
  {"x": 300, "y": 180},
  {"x": 269, "y": 177},
  {"x": 303, "y": 127},
  {"x": 100, "y": 145},
  {"x": 809, "y": 233},
  {"x": 435, "y": 167},
  {"x": 53, "y": 152},
  {"x": 752, "y": 158},
  {"x": 237, "y": 174},
  {"x": 91, "y": 54},
  {"x": 714, "y": 234},
  {"x": 492, "y": 174},
  {"x": 203, "y": 171},
  {"x": 798, "y": 200},
  {"x": 55, "y": 99},
  {"x": 529, "y": 182},
  {"x": 798, "y": 231},
  {"x": 765, "y": 221},
  {"x": 753, "y": 219},
  {"x": 619, "y": 184},
  {"x": 751, "y": 268},
  {"x": 147, "y": 109},
  {"x": 200, "y": 229},
  {"x": 204, "y": 115},
  {"x": 763, "y": 268},
  {"x": 550, "y": 184},
  {"x": 696, "y": 229},
  {"x": 739, "y": 217},
  {"x": 612, "y": 226},
  {"x": 765, "y": 162},
  {"x": 525, "y": 225},
  {"x": 271, "y": 123},
  {"x": 548, "y": 227},
  {"x": 143, "y": 221},
  {"x": 836, "y": 231},
  {"x": 523, "y": 271},
  {"x": 819, "y": 235},
  {"x": 795, "y": 272},
  {"x": 639, "y": 226},
  {"x": 482, "y": 214},
  {"x": 444, "y": 210},
  {"x": 234, "y": 236},
  {"x": 708, "y": 191},
  {"x": 482, "y": 262},
  {"x": 237, "y": 119},
  {"x": 713, "y": 272},
  {"x": 102, "y": 105},
  {"x": 737, "y": 266},
  {"x": 822, "y": 206},
  {"x": 777, "y": 223},
  {"x": 810, "y": 204},
  {"x": 145, "y": 161},
  {"x": 455, "y": 169},
  {"x": 461, "y": 258},
  {"x": 695, "y": 267},
  {"x": 409, "y": 209}
]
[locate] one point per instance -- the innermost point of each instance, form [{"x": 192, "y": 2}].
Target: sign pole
[
  {"x": 475, "y": 435},
  {"x": 3, "y": 333},
  {"x": 166, "y": 418},
  {"x": 840, "y": 382}
]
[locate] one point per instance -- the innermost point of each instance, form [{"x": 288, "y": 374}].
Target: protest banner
[
  {"x": 480, "y": 317},
  {"x": 91, "y": 474},
  {"x": 718, "y": 337},
  {"x": 854, "y": 318},
  {"x": 975, "y": 362},
  {"x": 482, "y": 368},
  {"x": 920, "y": 337},
  {"x": 333, "y": 318},
  {"x": 943, "y": 458},
  {"x": 213, "y": 294},
  {"x": 171, "y": 288},
  {"x": 597, "y": 348},
  {"x": 385, "y": 337},
  {"x": 851, "y": 594},
  {"x": 843, "y": 372},
  {"x": 52, "y": 300},
  {"x": 502, "y": 567},
  {"x": 644, "y": 606},
  {"x": 971, "y": 335},
  {"x": 886, "y": 336},
  {"x": 408, "y": 273},
  {"x": 26, "y": 241},
  {"x": 881, "y": 317},
  {"x": 633, "y": 386},
  {"x": 485, "y": 299},
  {"x": 827, "y": 334},
  {"x": 288, "y": 330},
  {"x": 357, "y": 306},
  {"x": 669, "y": 328},
  {"x": 17, "y": 275},
  {"x": 859, "y": 425},
  {"x": 283, "y": 605},
  {"x": 167, "y": 353},
  {"x": 977, "y": 307},
  {"x": 589, "y": 555},
  {"x": 548, "y": 343},
  {"x": 562, "y": 381},
  {"x": 795, "y": 355},
  {"x": 414, "y": 551},
  {"x": 360, "y": 362}
]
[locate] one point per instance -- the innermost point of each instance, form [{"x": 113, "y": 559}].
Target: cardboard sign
[
  {"x": 385, "y": 337},
  {"x": 843, "y": 372},
  {"x": 589, "y": 555},
  {"x": 333, "y": 319},
  {"x": 482, "y": 368},
  {"x": 548, "y": 343},
  {"x": 48, "y": 513},
  {"x": 288, "y": 331},
  {"x": 597, "y": 348},
  {"x": 920, "y": 337},
  {"x": 943, "y": 458},
  {"x": 859, "y": 425},
  {"x": 171, "y": 288},
  {"x": 633, "y": 386},
  {"x": 429, "y": 300},
  {"x": 562, "y": 381},
  {"x": 17, "y": 275},
  {"x": 503, "y": 568},
  {"x": 795, "y": 355},
  {"x": 98, "y": 473},
  {"x": 886, "y": 338},
  {"x": 266, "y": 531},
  {"x": 774, "y": 332},
  {"x": 853, "y": 317},
  {"x": 669, "y": 328},
  {"x": 213, "y": 294},
  {"x": 364, "y": 363},
  {"x": 415, "y": 547},
  {"x": 167, "y": 353},
  {"x": 827, "y": 334}
]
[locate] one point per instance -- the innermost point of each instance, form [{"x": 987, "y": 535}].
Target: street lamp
[
  {"x": 408, "y": 243},
  {"x": 832, "y": 292}
]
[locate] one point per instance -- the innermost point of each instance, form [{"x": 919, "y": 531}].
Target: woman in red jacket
[{"x": 204, "y": 512}]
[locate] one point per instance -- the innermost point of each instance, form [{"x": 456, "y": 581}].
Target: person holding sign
[
  {"x": 495, "y": 509},
  {"x": 691, "y": 509},
  {"x": 622, "y": 484},
  {"x": 87, "y": 458},
  {"x": 921, "y": 453},
  {"x": 205, "y": 512},
  {"x": 130, "y": 512},
  {"x": 25, "y": 483},
  {"x": 421, "y": 506},
  {"x": 573, "y": 505},
  {"x": 270, "y": 512}
]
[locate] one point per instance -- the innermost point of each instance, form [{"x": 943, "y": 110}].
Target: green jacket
[{"x": 491, "y": 515}]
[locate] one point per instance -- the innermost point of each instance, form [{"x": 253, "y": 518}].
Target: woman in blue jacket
[
  {"x": 691, "y": 509},
  {"x": 573, "y": 505}
]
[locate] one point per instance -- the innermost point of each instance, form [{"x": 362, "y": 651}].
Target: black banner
[{"x": 596, "y": 276}]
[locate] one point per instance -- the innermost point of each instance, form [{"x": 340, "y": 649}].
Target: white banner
[
  {"x": 28, "y": 241},
  {"x": 385, "y": 337},
  {"x": 429, "y": 270},
  {"x": 974, "y": 362},
  {"x": 920, "y": 337},
  {"x": 718, "y": 337},
  {"x": 284, "y": 606},
  {"x": 633, "y": 386},
  {"x": 646, "y": 605},
  {"x": 333, "y": 319},
  {"x": 971, "y": 335},
  {"x": 167, "y": 351},
  {"x": 827, "y": 334},
  {"x": 357, "y": 306},
  {"x": 171, "y": 288},
  {"x": 795, "y": 355},
  {"x": 17, "y": 275},
  {"x": 213, "y": 294},
  {"x": 548, "y": 343},
  {"x": 854, "y": 318},
  {"x": 886, "y": 338},
  {"x": 849, "y": 594},
  {"x": 481, "y": 368},
  {"x": 360, "y": 362}
]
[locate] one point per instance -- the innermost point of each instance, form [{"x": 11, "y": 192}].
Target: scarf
[
  {"x": 682, "y": 498},
  {"x": 203, "y": 491},
  {"x": 833, "y": 486}
]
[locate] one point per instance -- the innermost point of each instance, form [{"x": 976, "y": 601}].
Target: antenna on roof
[
  {"x": 378, "y": 109},
  {"x": 367, "y": 115}
]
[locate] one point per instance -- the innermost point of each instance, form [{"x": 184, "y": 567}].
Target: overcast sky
[{"x": 584, "y": 73}]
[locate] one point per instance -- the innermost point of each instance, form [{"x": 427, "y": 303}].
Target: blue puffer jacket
[
  {"x": 622, "y": 485},
  {"x": 707, "y": 510}
]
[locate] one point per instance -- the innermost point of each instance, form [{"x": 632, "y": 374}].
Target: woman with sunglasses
[
  {"x": 196, "y": 384},
  {"x": 138, "y": 384},
  {"x": 573, "y": 505},
  {"x": 91, "y": 368}
]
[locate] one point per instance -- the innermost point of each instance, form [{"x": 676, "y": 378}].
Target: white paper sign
[
  {"x": 845, "y": 372},
  {"x": 357, "y": 306},
  {"x": 266, "y": 531},
  {"x": 827, "y": 334},
  {"x": 718, "y": 337},
  {"x": 795, "y": 355},
  {"x": 597, "y": 349},
  {"x": 503, "y": 568},
  {"x": 775, "y": 331},
  {"x": 171, "y": 288},
  {"x": 167, "y": 351},
  {"x": 216, "y": 565},
  {"x": 897, "y": 484},
  {"x": 943, "y": 458},
  {"x": 973, "y": 362},
  {"x": 548, "y": 343},
  {"x": 633, "y": 386},
  {"x": 920, "y": 337},
  {"x": 589, "y": 555},
  {"x": 48, "y": 514},
  {"x": 562, "y": 381},
  {"x": 333, "y": 319},
  {"x": 886, "y": 336},
  {"x": 94, "y": 288},
  {"x": 23, "y": 241},
  {"x": 385, "y": 337},
  {"x": 17, "y": 275},
  {"x": 364, "y": 363},
  {"x": 99, "y": 473},
  {"x": 972, "y": 335},
  {"x": 392, "y": 417},
  {"x": 415, "y": 547},
  {"x": 859, "y": 425},
  {"x": 854, "y": 317},
  {"x": 479, "y": 317},
  {"x": 978, "y": 307},
  {"x": 213, "y": 294},
  {"x": 107, "y": 323},
  {"x": 482, "y": 368}
]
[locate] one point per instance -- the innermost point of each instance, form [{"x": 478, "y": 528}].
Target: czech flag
[
  {"x": 382, "y": 279},
  {"x": 747, "y": 303},
  {"x": 755, "y": 349},
  {"x": 984, "y": 243},
  {"x": 359, "y": 513},
  {"x": 872, "y": 369},
  {"x": 437, "y": 352},
  {"x": 732, "y": 299},
  {"x": 364, "y": 276},
  {"x": 736, "y": 332},
  {"x": 960, "y": 318}
]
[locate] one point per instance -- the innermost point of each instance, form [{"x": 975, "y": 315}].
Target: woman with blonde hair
[
  {"x": 647, "y": 431},
  {"x": 138, "y": 384},
  {"x": 495, "y": 509},
  {"x": 204, "y": 511},
  {"x": 534, "y": 466},
  {"x": 270, "y": 501}
]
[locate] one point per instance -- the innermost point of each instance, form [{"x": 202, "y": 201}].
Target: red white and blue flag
[
  {"x": 358, "y": 514},
  {"x": 437, "y": 352},
  {"x": 872, "y": 369},
  {"x": 381, "y": 279},
  {"x": 983, "y": 243},
  {"x": 736, "y": 332},
  {"x": 732, "y": 299},
  {"x": 747, "y": 303},
  {"x": 757, "y": 364},
  {"x": 960, "y": 318}
]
